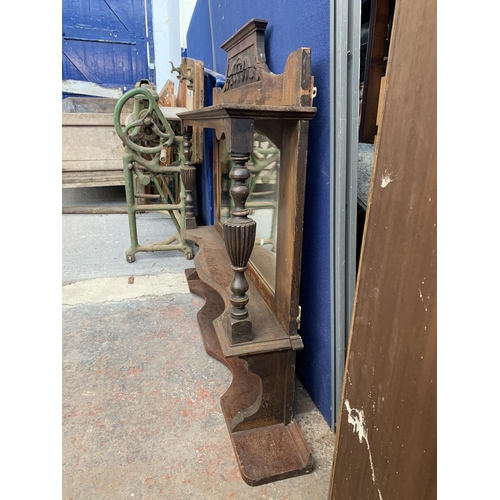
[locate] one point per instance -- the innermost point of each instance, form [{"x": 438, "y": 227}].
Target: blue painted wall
[{"x": 292, "y": 24}]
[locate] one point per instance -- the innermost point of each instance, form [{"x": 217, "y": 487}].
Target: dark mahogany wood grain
[{"x": 244, "y": 324}]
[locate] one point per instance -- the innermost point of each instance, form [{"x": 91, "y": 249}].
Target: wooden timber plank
[
  {"x": 87, "y": 178},
  {"x": 386, "y": 436},
  {"x": 91, "y": 143},
  {"x": 92, "y": 183},
  {"x": 97, "y": 209},
  {"x": 374, "y": 70},
  {"x": 290, "y": 226},
  {"x": 89, "y": 119},
  {"x": 100, "y": 165}
]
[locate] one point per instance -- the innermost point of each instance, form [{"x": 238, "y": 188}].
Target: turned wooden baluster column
[
  {"x": 188, "y": 175},
  {"x": 239, "y": 237}
]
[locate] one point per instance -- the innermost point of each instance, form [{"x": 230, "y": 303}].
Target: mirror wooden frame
[{"x": 246, "y": 326}]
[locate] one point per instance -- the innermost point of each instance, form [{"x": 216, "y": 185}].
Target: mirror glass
[{"x": 264, "y": 166}]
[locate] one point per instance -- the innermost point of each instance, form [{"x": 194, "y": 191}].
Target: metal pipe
[
  {"x": 150, "y": 196},
  {"x": 156, "y": 208},
  {"x": 163, "y": 155}
]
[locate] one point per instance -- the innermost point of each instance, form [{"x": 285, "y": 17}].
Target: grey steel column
[
  {"x": 214, "y": 60},
  {"x": 345, "y": 20},
  {"x": 353, "y": 75}
]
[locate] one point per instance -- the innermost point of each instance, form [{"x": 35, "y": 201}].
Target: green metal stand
[{"x": 148, "y": 139}]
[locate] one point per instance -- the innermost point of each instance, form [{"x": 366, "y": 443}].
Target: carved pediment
[
  {"x": 249, "y": 80},
  {"x": 245, "y": 53}
]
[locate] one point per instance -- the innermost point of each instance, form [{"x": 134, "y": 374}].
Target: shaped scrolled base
[{"x": 267, "y": 441}]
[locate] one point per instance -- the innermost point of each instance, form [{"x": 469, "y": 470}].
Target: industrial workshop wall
[
  {"x": 115, "y": 44},
  {"x": 292, "y": 24},
  {"x": 107, "y": 42}
]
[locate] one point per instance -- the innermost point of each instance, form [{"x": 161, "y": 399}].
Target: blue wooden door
[{"x": 108, "y": 42}]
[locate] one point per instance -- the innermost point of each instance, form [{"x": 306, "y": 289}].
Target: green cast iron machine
[{"x": 155, "y": 157}]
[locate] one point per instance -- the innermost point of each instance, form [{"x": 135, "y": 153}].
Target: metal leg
[{"x": 130, "y": 196}]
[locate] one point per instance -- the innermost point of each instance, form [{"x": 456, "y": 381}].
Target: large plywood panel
[{"x": 386, "y": 438}]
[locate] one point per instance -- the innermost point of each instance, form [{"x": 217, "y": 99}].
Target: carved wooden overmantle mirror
[{"x": 248, "y": 264}]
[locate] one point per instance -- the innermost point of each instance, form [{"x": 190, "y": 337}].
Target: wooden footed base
[
  {"x": 257, "y": 406},
  {"x": 239, "y": 330},
  {"x": 190, "y": 223}
]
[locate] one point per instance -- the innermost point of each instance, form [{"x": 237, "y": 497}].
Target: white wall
[
  {"x": 171, "y": 20},
  {"x": 186, "y": 12}
]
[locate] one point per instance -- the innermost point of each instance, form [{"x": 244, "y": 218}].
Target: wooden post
[
  {"x": 188, "y": 176},
  {"x": 239, "y": 236}
]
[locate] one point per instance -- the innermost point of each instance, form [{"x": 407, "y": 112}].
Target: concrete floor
[{"x": 141, "y": 412}]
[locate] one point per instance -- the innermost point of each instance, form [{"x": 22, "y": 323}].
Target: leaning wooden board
[
  {"x": 91, "y": 151},
  {"x": 386, "y": 437}
]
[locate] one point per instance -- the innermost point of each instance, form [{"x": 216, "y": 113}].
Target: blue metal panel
[
  {"x": 204, "y": 175},
  {"x": 292, "y": 24},
  {"x": 199, "y": 39},
  {"x": 107, "y": 41}
]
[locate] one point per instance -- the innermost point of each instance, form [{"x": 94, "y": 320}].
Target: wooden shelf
[{"x": 214, "y": 268}]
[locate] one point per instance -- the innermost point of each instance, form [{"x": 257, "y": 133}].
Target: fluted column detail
[
  {"x": 239, "y": 237},
  {"x": 188, "y": 176}
]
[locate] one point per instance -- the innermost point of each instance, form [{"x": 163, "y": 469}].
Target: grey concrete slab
[
  {"x": 94, "y": 246},
  {"x": 141, "y": 411},
  {"x": 102, "y": 196}
]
